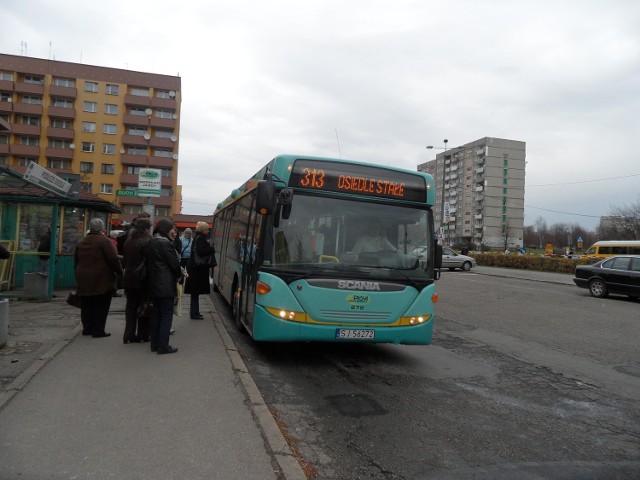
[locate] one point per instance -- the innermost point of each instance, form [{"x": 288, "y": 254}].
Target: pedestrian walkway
[{"x": 73, "y": 406}]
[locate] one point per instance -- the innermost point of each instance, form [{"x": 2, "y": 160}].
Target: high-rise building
[
  {"x": 480, "y": 193},
  {"x": 94, "y": 125}
]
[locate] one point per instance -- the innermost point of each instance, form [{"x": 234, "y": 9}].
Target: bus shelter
[{"x": 28, "y": 215}]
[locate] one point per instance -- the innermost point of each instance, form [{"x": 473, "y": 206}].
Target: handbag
[
  {"x": 74, "y": 299},
  {"x": 208, "y": 261}
]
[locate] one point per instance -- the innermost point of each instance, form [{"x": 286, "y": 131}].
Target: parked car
[
  {"x": 619, "y": 275},
  {"x": 453, "y": 260}
]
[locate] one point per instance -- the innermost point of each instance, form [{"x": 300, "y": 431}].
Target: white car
[{"x": 453, "y": 260}]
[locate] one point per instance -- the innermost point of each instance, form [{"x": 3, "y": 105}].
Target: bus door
[{"x": 249, "y": 265}]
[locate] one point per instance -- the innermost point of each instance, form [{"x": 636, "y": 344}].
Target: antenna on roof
[{"x": 338, "y": 140}]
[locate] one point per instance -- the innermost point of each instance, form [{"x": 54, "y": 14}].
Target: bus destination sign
[{"x": 357, "y": 179}]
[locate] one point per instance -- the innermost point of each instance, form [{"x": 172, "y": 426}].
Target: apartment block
[
  {"x": 94, "y": 125},
  {"x": 480, "y": 193}
]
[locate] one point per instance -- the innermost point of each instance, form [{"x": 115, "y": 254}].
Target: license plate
[{"x": 354, "y": 334}]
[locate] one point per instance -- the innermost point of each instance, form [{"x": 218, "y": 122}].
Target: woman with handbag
[
  {"x": 96, "y": 266},
  {"x": 135, "y": 282},
  {"x": 201, "y": 260}
]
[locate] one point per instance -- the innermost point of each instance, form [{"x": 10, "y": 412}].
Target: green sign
[{"x": 126, "y": 193}]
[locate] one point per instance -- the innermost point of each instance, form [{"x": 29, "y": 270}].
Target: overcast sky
[{"x": 376, "y": 81}]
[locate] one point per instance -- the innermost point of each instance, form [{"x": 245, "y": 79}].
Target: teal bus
[{"x": 323, "y": 249}]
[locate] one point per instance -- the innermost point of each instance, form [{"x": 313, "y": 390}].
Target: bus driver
[{"x": 373, "y": 241}]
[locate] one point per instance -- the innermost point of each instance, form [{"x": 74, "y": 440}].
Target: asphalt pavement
[{"x": 77, "y": 407}]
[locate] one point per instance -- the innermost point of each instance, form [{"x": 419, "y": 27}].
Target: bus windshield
[{"x": 338, "y": 234}]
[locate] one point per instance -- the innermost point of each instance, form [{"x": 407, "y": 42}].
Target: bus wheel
[{"x": 236, "y": 300}]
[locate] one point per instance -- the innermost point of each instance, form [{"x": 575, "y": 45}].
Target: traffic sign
[{"x": 126, "y": 193}]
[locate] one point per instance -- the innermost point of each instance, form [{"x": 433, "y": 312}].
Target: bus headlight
[
  {"x": 415, "y": 320},
  {"x": 289, "y": 315}
]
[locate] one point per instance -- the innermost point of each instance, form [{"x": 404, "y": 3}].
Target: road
[{"x": 524, "y": 379}]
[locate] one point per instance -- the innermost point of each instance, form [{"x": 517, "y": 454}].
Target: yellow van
[{"x": 608, "y": 248}]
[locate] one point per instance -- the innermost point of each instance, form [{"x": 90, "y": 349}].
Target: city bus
[{"x": 293, "y": 267}]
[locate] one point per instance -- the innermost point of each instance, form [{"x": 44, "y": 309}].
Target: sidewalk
[{"x": 78, "y": 407}]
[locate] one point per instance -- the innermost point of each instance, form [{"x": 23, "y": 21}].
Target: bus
[
  {"x": 292, "y": 266},
  {"x": 608, "y": 248}
]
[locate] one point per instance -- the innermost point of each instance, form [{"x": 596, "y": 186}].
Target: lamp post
[{"x": 429, "y": 147}]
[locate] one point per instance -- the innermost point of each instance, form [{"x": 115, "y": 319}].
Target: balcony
[
  {"x": 129, "y": 179},
  {"x": 168, "y": 103},
  {"x": 135, "y": 140},
  {"x": 65, "y": 92},
  {"x": 452, "y": 210},
  {"x": 452, "y": 219},
  {"x": 454, "y": 168},
  {"x": 6, "y": 107},
  {"x": 54, "y": 152},
  {"x": 4, "y": 148},
  {"x": 33, "y": 130},
  {"x": 61, "y": 112},
  {"x": 27, "y": 108},
  {"x": 25, "y": 150},
  {"x": 161, "y": 162},
  {"x": 478, "y": 216},
  {"x": 479, "y": 169},
  {"x": 136, "y": 160},
  {"x": 138, "y": 120},
  {"x": 453, "y": 193},
  {"x": 162, "y": 142},
  {"x": 63, "y": 133},
  {"x": 6, "y": 85},
  {"x": 163, "y": 122},
  {"x": 479, "y": 189},
  {"x": 137, "y": 100},
  {"x": 29, "y": 88}
]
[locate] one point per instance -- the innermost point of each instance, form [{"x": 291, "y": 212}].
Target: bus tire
[{"x": 235, "y": 306}]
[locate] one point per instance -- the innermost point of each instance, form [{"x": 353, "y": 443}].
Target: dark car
[{"x": 619, "y": 275}]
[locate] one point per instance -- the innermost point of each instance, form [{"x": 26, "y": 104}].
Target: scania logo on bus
[{"x": 358, "y": 285}]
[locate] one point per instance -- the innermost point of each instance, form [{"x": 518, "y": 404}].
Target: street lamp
[{"x": 429, "y": 147}]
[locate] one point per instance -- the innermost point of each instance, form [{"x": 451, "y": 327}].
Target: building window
[
  {"x": 164, "y": 133},
  {"x": 28, "y": 120},
  {"x": 86, "y": 167},
  {"x": 162, "y": 211},
  {"x": 108, "y": 148},
  {"x": 90, "y": 107},
  {"x": 4, "y": 139},
  {"x": 132, "y": 170},
  {"x": 59, "y": 123},
  {"x": 504, "y": 190},
  {"x": 30, "y": 141},
  {"x": 88, "y": 147},
  {"x": 91, "y": 87},
  {"x": 112, "y": 89},
  {"x": 57, "y": 143},
  {"x": 109, "y": 129},
  {"x": 504, "y": 209},
  {"x": 63, "y": 82},
  {"x": 133, "y": 209},
  {"x": 6, "y": 97},
  {"x": 6, "y": 76},
  {"x": 138, "y": 111},
  {"x": 165, "y": 172},
  {"x": 504, "y": 219},
  {"x": 89, "y": 127},
  {"x": 59, "y": 163},
  {"x": 140, "y": 92},
  {"x": 25, "y": 161},
  {"x": 4, "y": 160},
  {"x": 505, "y": 172},
  {"x": 62, "y": 103},
  {"x": 108, "y": 168},
  {"x": 32, "y": 100},
  {"x": 504, "y": 181},
  {"x": 137, "y": 131},
  {"x": 110, "y": 109},
  {"x": 136, "y": 151},
  {"x": 34, "y": 79},
  {"x": 164, "y": 113},
  {"x": 160, "y": 152},
  {"x": 86, "y": 186},
  {"x": 163, "y": 94},
  {"x": 106, "y": 188}
]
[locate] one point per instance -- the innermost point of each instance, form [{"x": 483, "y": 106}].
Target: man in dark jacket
[{"x": 163, "y": 271}]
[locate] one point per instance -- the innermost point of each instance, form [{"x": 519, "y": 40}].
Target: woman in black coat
[
  {"x": 136, "y": 325},
  {"x": 163, "y": 273},
  {"x": 198, "y": 280}
]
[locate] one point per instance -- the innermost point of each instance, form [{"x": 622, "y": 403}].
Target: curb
[{"x": 287, "y": 461}]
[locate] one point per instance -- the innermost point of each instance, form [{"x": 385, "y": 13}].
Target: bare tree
[
  {"x": 542, "y": 230},
  {"x": 627, "y": 223}
]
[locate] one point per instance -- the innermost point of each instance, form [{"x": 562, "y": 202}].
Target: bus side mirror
[
  {"x": 437, "y": 254},
  {"x": 265, "y": 197},
  {"x": 285, "y": 198}
]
